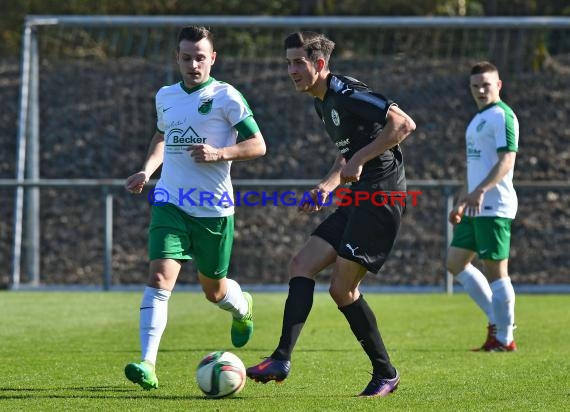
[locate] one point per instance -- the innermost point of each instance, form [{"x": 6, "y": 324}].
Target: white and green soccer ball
[{"x": 220, "y": 374}]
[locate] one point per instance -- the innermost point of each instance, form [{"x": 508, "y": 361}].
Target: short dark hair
[
  {"x": 315, "y": 44},
  {"x": 483, "y": 67},
  {"x": 195, "y": 34}
]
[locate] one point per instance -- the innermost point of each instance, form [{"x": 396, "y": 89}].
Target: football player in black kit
[{"x": 367, "y": 129}]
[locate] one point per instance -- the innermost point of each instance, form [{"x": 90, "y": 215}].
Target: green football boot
[
  {"x": 143, "y": 374},
  {"x": 242, "y": 329}
]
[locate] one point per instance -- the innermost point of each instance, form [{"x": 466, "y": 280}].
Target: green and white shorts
[
  {"x": 488, "y": 236},
  {"x": 173, "y": 234}
]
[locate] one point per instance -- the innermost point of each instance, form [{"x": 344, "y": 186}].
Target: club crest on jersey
[
  {"x": 335, "y": 117},
  {"x": 205, "y": 106},
  {"x": 480, "y": 125}
]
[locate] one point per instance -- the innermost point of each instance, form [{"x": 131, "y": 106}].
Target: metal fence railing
[{"x": 107, "y": 187}]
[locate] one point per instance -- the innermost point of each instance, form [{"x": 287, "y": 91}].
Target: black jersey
[{"x": 354, "y": 115}]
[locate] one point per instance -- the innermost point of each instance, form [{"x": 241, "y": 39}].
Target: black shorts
[{"x": 364, "y": 234}]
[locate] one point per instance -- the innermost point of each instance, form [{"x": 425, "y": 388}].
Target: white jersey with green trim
[
  {"x": 205, "y": 114},
  {"x": 494, "y": 129}
]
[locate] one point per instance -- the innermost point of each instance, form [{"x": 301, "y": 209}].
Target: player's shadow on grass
[
  {"x": 252, "y": 349},
  {"x": 119, "y": 392},
  {"x": 86, "y": 392}
]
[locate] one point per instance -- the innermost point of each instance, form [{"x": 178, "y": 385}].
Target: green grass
[{"x": 67, "y": 350}]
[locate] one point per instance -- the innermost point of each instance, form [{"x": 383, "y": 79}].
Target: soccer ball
[{"x": 220, "y": 374}]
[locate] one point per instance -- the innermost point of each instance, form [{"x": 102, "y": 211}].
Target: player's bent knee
[
  {"x": 296, "y": 267},
  {"x": 213, "y": 295},
  {"x": 340, "y": 296},
  {"x": 455, "y": 267},
  {"x": 157, "y": 280}
]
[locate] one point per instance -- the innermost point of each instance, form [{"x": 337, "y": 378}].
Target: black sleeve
[{"x": 370, "y": 106}]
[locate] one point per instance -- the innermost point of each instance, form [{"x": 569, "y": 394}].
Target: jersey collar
[
  {"x": 329, "y": 77},
  {"x": 489, "y": 106},
  {"x": 200, "y": 86}
]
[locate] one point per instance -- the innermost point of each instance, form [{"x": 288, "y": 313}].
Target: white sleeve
[{"x": 236, "y": 108}]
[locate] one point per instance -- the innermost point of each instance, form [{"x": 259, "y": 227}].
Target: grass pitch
[{"x": 67, "y": 350}]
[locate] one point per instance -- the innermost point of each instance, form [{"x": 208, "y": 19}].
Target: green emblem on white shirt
[
  {"x": 205, "y": 106},
  {"x": 480, "y": 125}
]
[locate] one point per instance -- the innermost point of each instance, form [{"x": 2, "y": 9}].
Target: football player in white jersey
[
  {"x": 483, "y": 216},
  {"x": 203, "y": 125}
]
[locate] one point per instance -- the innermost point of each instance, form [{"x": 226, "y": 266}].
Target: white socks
[
  {"x": 234, "y": 301},
  {"x": 477, "y": 286},
  {"x": 153, "y": 316},
  {"x": 496, "y": 300},
  {"x": 504, "y": 309},
  {"x": 154, "y": 313}
]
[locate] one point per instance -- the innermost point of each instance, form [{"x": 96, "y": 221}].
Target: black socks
[
  {"x": 297, "y": 308},
  {"x": 363, "y": 324}
]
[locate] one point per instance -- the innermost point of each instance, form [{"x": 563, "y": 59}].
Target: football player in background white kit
[{"x": 483, "y": 216}]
